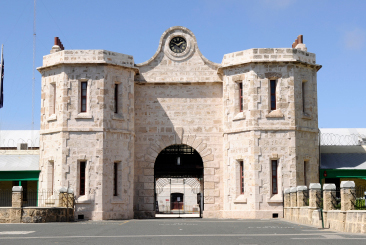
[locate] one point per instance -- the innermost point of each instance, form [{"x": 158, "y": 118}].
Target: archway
[{"x": 178, "y": 174}]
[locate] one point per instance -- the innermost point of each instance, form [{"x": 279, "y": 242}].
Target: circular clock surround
[
  {"x": 178, "y": 44},
  {"x": 183, "y": 53}
]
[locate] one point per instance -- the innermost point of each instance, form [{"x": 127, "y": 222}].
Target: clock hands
[{"x": 178, "y": 45}]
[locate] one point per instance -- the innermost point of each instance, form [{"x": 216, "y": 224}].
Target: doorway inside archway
[{"x": 178, "y": 173}]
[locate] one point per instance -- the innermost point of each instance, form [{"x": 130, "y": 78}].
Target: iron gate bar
[{"x": 189, "y": 165}]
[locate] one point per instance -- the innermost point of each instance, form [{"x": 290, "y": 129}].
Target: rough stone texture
[
  {"x": 287, "y": 200},
  {"x": 329, "y": 193},
  {"x": 340, "y": 220},
  {"x": 300, "y": 199},
  {"x": 335, "y": 220},
  {"x": 348, "y": 198},
  {"x": 17, "y": 198},
  {"x": 258, "y": 135},
  {"x": 314, "y": 198},
  {"x": 35, "y": 215},
  {"x": 293, "y": 198},
  {"x": 99, "y": 136},
  {"x": 356, "y": 222},
  {"x": 179, "y": 99}
]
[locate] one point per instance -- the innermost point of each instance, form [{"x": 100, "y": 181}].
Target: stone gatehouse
[{"x": 253, "y": 120}]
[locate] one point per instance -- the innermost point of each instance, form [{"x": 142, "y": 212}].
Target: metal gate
[{"x": 178, "y": 196}]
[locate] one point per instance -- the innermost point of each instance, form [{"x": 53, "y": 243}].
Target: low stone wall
[
  {"x": 345, "y": 220},
  {"x": 335, "y": 220},
  {"x": 42, "y": 215},
  {"x": 35, "y": 215},
  {"x": 356, "y": 221}
]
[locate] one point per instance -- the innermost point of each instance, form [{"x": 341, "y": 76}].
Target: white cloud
[{"x": 354, "y": 39}]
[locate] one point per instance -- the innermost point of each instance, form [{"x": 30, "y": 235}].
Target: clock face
[{"x": 178, "y": 44}]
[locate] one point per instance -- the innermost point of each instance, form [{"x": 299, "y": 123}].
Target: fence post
[
  {"x": 300, "y": 195},
  {"x": 314, "y": 195},
  {"x": 17, "y": 197},
  {"x": 329, "y": 193},
  {"x": 16, "y": 204},
  {"x": 63, "y": 197},
  {"x": 293, "y": 196},
  {"x": 287, "y": 200},
  {"x": 70, "y": 204},
  {"x": 348, "y": 198}
]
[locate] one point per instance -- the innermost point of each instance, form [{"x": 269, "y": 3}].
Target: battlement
[
  {"x": 87, "y": 56},
  {"x": 268, "y": 55}
]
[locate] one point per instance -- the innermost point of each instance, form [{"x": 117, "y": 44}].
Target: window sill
[
  {"x": 83, "y": 199},
  {"x": 306, "y": 116},
  {"x": 239, "y": 116},
  {"x": 240, "y": 199},
  {"x": 275, "y": 114},
  {"x": 84, "y": 115},
  {"x": 276, "y": 198},
  {"x": 118, "y": 117},
  {"x": 117, "y": 199},
  {"x": 53, "y": 117}
]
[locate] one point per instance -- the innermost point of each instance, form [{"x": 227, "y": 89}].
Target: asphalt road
[{"x": 173, "y": 231}]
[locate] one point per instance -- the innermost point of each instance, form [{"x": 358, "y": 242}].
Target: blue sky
[{"x": 334, "y": 30}]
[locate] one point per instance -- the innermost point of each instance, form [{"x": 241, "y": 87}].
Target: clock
[{"x": 178, "y": 44}]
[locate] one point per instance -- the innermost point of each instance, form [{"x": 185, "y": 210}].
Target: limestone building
[{"x": 245, "y": 129}]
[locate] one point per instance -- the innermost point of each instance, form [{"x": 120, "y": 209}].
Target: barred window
[
  {"x": 241, "y": 163},
  {"x": 273, "y": 94},
  {"x": 82, "y": 178},
  {"x": 84, "y": 86},
  {"x": 274, "y": 177}
]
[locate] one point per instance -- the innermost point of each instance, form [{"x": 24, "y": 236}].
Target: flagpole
[
  {"x": 1, "y": 85},
  {"x": 34, "y": 68}
]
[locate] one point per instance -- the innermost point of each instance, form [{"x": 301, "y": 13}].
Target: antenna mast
[{"x": 34, "y": 66}]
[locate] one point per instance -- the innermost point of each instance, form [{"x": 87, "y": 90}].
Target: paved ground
[{"x": 173, "y": 231}]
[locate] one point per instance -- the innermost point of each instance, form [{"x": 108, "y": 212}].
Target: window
[
  {"x": 52, "y": 98},
  {"x": 274, "y": 177},
  {"x": 241, "y": 106},
  {"x": 84, "y": 86},
  {"x": 51, "y": 174},
  {"x": 115, "y": 179},
  {"x": 115, "y": 98},
  {"x": 82, "y": 166},
  {"x": 305, "y": 168},
  {"x": 303, "y": 96},
  {"x": 273, "y": 94},
  {"x": 241, "y": 163}
]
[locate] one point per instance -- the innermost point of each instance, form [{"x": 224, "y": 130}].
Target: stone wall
[
  {"x": 36, "y": 215},
  {"x": 179, "y": 98},
  {"x": 99, "y": 136},
  {"x": 345, "y": 220},
  {"x": 178, "y": 114},
  {"x": 256, "y": 135}
]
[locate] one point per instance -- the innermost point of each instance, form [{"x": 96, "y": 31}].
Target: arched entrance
[{"x": 178, "y": 174}]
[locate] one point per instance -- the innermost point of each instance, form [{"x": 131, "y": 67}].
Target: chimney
[
  {"x": 299, "y": 41},
  {"x": 58, "y": 46}
]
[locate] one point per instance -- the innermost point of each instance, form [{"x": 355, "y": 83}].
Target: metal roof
[
  {"x": 19, "y": 162},
  {"x": 343, "y": 161},
  {"x": 10, "y": 138}
]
